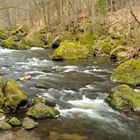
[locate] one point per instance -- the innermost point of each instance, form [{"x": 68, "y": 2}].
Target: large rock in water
[
  {"x": 68, "y": 50},
  {"x": 124, "y": 98},
  {"x": 29, "y": 123},
  {"x": 14, "y": 96},
  {"x": 127, "y": 72},
  {"x": 41, "y": 111}
]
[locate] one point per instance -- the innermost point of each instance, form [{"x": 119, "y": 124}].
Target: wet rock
[
  {"x": 24, "y": 78},
  {"x": 2, "y": 116},
  {"x": 14, "y": 96},
  {"x": 127, "y": 72},
  {"x": 124, "y": 98},
  {"x": 29, "y": 123},
  {"x": 41, "y": 85},
  {"x": 44, "y": 101},
  {"x": 14, "y": 121},
  {"x": 5, "y": 126},
  {"x": 47, "y": 70},
  {"x": 57, "y": 58},
  {"x": 68, "y": 50},
  {"x": 2, "y": 98},
  {"x": 41, "y": 111},
  {"x": 56, "y": 43}
]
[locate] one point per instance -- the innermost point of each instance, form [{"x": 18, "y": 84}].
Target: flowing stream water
[{"x": 78, "y": 87}]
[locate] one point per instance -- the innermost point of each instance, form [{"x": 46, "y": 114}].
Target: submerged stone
[
  {"x": 124, "y": 98},
  {"x": 44, "y": 101},
  {"x": 41, "y": 111},
  {"x": 127, "y": 72},
  {"x": 14, "y": 121},
  {"x": 29, "y": 123}
]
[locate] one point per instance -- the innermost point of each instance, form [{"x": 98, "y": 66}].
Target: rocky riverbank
[{"x": 13, "y": 98}]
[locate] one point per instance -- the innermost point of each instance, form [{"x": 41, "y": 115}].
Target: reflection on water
[{"x": 78, "y": 87}]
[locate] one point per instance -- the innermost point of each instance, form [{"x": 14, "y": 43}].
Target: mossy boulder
[
  {"x": 41, "y": 111},
  {"x": 14, "y": 121},
  {"x": 5, "y": 126},
  {"x": 8, "y": 43},
  {"x": 44, "y": 101},
  {"x": 21, "y": 45},
  {"x": 14, "y": 96},
  {"x": 2, "y": 98},
  {"x": 34, "y": 40},
  {"x": 29, "y": 123},
  {"x": 127, "y": 72},
  {"x": 3, "y": 36},
  {"x": 124, "y": 98},
  {"x": 68, "y": 50}
]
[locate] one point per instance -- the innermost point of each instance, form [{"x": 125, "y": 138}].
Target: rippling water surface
[{"x": 78, "y": 87}]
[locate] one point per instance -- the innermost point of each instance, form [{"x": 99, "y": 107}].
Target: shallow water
[{"x": 78, "y": 87}]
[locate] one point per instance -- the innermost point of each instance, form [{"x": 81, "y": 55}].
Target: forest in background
[{"x": 50, "y": 14}]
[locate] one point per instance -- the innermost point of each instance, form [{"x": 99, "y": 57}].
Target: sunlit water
[{"x": 78, "y": 87}]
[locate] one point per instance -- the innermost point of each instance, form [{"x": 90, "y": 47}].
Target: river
[{"x": 79, "y": 87}]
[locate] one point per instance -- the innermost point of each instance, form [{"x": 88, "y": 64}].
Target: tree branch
[{"x": 132, "y": 13}]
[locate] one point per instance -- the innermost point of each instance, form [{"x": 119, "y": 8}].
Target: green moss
[
  {"x": 104, "y": 46},
  {"x": 87, "y": 38},
  {"x": 2, "y": 111},
  {"x": 3, "y": 35},
  {"x": 14, "y": 96},
  {"x": 127, "y": 72},
  {"x": 14, "y": 121},
  {"x": 21, "y": 45},
  {"x": 8, "y": 43},
  {"x": 34, "y": 40},
  {"x": 40, "y": 111},
  {"x": 5, "y": 126},
  {"x": 29, "y": 123},
  {"x": 124, "y": 98},
  {"x": 21, "y": 31},
  {"x": 68, "y": 50},
  {"x": 68, "y": 36},
  {"x": 44, "y": 101}
]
